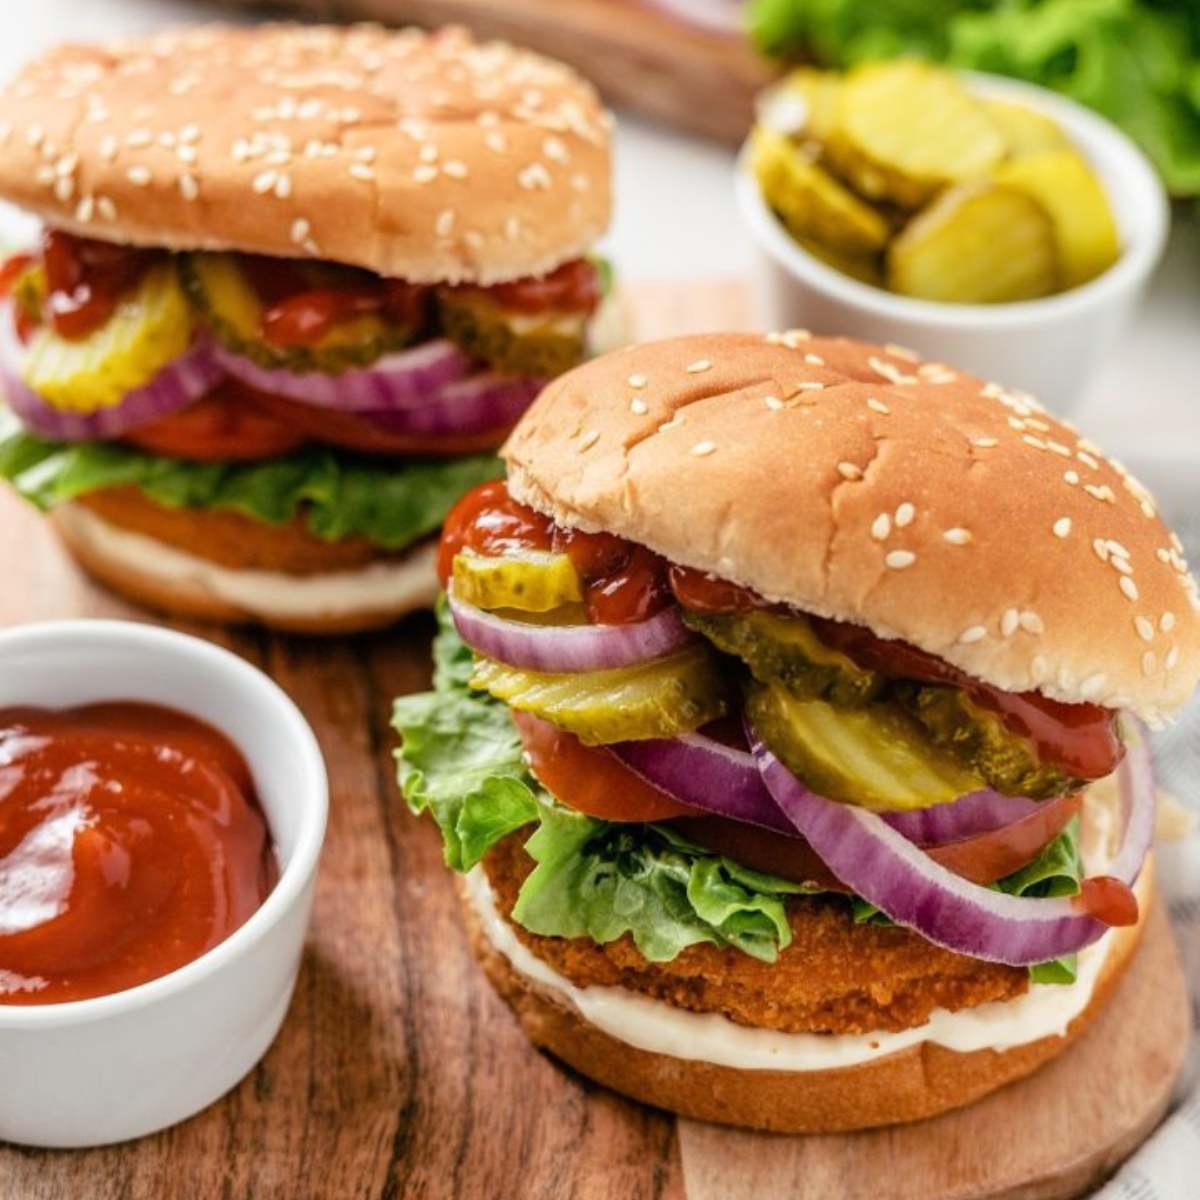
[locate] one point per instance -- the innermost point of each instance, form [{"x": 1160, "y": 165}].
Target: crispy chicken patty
[
  {"x": 835, "y": 977},
  {"x": 230, "y": 538}
]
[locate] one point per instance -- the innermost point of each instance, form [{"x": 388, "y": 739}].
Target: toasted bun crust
[
  {"x": 424, "y": 156},
  {"x": 189, "y": 592},
  {"x": 920, "y": 1081},
  {"x": 859, "y": 483}
]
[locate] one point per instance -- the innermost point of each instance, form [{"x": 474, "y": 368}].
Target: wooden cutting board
[
  {"x": 399, "y": 1074},
  {"x": 641, "y": 59}
]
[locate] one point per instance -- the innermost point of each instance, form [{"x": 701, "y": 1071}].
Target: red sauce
[
  {"x": 14, "y": 267},
  {"x": 622, "y": 581},
  {"x": 86, "y": 280},
  {"x": 131, "y": 843},
  {"x": 1109, "y": 900},
  {"x": 573, "y": 287},
  {"x": 705, "y": 593}
]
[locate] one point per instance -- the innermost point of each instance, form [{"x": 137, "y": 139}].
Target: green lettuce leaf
[
  {"x": 1135, "y": 61},
  {"x": 460, "y": 760},
  {"x": 392, "y": 504}
]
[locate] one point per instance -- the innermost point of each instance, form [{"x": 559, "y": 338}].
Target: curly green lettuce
[
  {"x": 1135, "y": 61},
  {"x": 461, "y": 761},
  {"x": 390, "y": 504}
]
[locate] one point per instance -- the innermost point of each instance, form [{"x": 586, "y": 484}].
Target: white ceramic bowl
[
  {"x": 1051, "y": 347},
  {"x": 119, "y": 1066}
]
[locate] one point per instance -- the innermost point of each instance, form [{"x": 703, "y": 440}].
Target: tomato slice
[
  {"x": 227, "y": 424},
  {"x": 790, "y": 858},
  {"x": 591, "y": 780},
  {"x": 234, "y": 422}
]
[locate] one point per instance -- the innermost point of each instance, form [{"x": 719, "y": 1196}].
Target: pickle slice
[
  {"x": 150, "y": 327},
  {"x": 979, "y": 740},
  {"x": 1025, "y": 129},
  {"x": 29, "y": 292},
  {"x": 802, "y": 104},
  {"x": 658, "y": 699},
  {"x": 905, "y": 130},
  {"x": 877, "y": 757},
  {"x": 786, "y": 650},
  {"x": 1063, "y": 183},
  {"x": 980, "y": 243},
  {"x": 864, "y": 269},
  {"x": 541, "y": 346},
  {"x": 812, "y": 203},
  {"x": 233, "y": 312},
  {"x": 534, "y": 581}
]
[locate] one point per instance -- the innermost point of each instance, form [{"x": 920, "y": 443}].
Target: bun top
[
  {"x": 860, "y": 483},
  {"x": 424, "y": 156}
]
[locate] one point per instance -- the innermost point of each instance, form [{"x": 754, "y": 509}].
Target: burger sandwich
[
  {"x": 294, "y": 287},
  {"x": 789, "y": 727}
]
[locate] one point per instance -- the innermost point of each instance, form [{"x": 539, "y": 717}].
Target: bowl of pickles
[{"x": 980, "y": 219}]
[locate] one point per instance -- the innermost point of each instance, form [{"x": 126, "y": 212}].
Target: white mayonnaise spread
[
  {"x": 661, "y": 1028},
  {"x": 407, "y": 582}
]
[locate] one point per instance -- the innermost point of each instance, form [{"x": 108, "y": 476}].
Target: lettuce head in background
[{"x": 1135, "y": 61}]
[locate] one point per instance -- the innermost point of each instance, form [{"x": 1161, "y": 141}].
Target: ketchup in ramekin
[{"x": 131, "y": 842}]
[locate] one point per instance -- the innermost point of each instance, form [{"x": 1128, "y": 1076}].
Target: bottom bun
[
  {"x": 163, "y": 577},
  {"x": 920, "y": 1081}
]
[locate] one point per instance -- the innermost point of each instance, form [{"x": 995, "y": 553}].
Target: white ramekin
[
  {"x": 1050, "y": 347},
  {"x": 116, "y": 1067}
]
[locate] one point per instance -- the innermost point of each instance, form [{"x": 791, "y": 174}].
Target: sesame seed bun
[
  {"x": 921, "y": 1080},
  {"x": 428, "y": 157},
  {"x": 863, "y": 484}
]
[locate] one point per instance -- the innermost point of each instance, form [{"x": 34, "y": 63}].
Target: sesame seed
[
  {"x": 422, "y": 174},
  {"x": 1031, "y": 622},
  {"x": 1149, "y": 662},
  {"x": 905, "y": 514},
  {"x": 555, "y": 150},
  {"x": 428, "y": 153},
  {"x": 533, "y": 176},
  {"x": 283, "y": 186},
  {"x": 190, "y": 133},
  {"x": 1016, "y": 423},
  {"x": 1172, "y": 659},
  {"x": 773, "y": 403},
  {"x": 1062, "y": 527},
  {"x": 810, "y": 385},
  {"x": 849, "y": 470},
  {"x": 166, "y": 138},
  {"x": 139, "y": 137},
  {"x": 890, "y": 372},
  {"x": 455, "y": 168},
  {"x": 444, "y": 223},
  {"x": 138, "y": 175},
  {"x": 1071, "y": 477},
  {"x": 1010, "y": 622},
  {"x": 83, "y": 210},
  {"x": 1038, "y": 668},
  {"x": 496, "y": 142},
  {"x": 881, "y": 527},
  {"x": 1093, "y": 685},
  {"x": 700, "y": 449},
  {"x": 638, "y": 407},
  {"x": 701, "y": 364},
  {"x": 64, "y": 188},
  {"x": 106, "y": 208},
  {"x": 264, "y": 182},
  {"x": 1128, "y": 587},
  {"x": 1121, "y": 564},
  {"x": 1035, "y": 442},
  {"x": 898, "y": 351},
  {"x": 300, "y": 229},
  {"x": 636, "y": 381},
  {"x": 877, "y": 405},
  {"x": 589, "y": 439},
  {"x": 1163, "y": 556},
  {"x": 985, "y": 443},
  {"x": 363, "y": 171},
  {"x": 1167, "y": 622},
  {"x": 108, "y": 148},
  {"x": 1144, "y": 627},
  {"x": 814, "y": 360},
  {"x": 1058, "y": 448},
  {"x": 1087, "y": 459},
  {"x": 899, "y": 559},
  {"x": 1100, "y": 492},
  {"x": 957, "y": 536},
  {"x": 973, "y": 633}
]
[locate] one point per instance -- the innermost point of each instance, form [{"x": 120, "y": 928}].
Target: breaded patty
[{"x": 835, "y": 977}]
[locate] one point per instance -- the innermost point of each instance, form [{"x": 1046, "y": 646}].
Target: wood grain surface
[
  {"x": 399, "y": 1074},
  {"x": 640, "y": 59}
]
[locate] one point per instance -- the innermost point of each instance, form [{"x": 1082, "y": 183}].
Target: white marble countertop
[{"x": 676, "y": 220}]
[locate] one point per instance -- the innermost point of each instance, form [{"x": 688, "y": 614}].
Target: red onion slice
[
  {"x": 406, "y": 379},
  {"x": 721, "y": 16},
  {"x": 176, "y": 386},
  {"x": 706, "y": 774},
  {"x": 968, "y": 816},
  {"x": 475, "y": 405},
  {"x": 568, "y": 648},
  {"x": 886, "y": 869}
]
